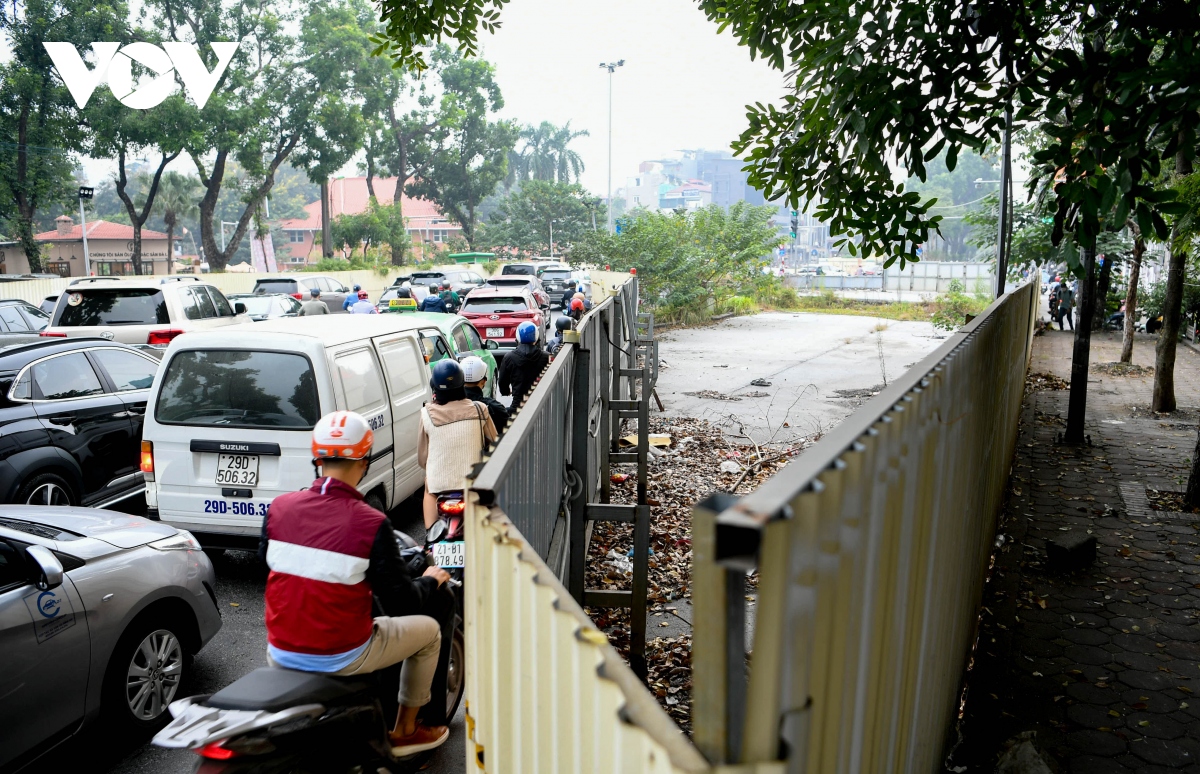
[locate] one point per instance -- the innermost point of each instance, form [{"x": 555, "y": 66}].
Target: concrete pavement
[{"x": 1102, "y": 664}]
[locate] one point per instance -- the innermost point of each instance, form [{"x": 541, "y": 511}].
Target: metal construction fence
[
  {"x": 872, "y": 549},
  {"x": 923, "y": 277}
]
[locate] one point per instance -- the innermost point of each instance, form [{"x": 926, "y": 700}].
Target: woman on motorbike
[{"x": 452, "y": 435}]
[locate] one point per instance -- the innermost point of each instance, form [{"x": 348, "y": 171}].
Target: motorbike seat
[{"x": 274, "y": 689}]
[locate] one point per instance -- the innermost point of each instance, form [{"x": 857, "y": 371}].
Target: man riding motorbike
[{"x": 330, "y": 554}]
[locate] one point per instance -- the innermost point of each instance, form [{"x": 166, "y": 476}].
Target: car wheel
[
  {"x": 144, "y": 674},
  {"x": 46, "y": 489}
]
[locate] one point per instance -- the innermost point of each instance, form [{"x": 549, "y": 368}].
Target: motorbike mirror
[
  {"x": 239, "y": 307},
  {"x": 50, "y": 569},
  {"x": 436, "y": 532}
]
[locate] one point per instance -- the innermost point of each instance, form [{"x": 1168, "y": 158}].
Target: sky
[{"x": 683, "y": 86}]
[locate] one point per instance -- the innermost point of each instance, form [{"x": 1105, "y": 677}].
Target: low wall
[{"x": 923, "y": 277}]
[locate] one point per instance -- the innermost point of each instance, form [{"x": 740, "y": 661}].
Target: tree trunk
[
  {"x": 139, "y": 220},
  {"x": 1135, "y": 270},
  {"x": 170, "y": 247},
  {"x": 1168, "y": 337},
  {"x": 1100, "y": 311},
  {"x": 30, "y": 246},
  {"x": 1192, "y": 496},
  {"x": 217, "y": 258},
  {"x": 26, "y": 207},
  {"x": 1077, "y": 403},
  {"x": 326, "y": 222}
]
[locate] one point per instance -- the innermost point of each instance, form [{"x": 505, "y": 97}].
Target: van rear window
[
  {"x": 133, "y": 306},
  {"x": 288, "y": 286},
  {"x": 239, "y": 388},
  {"x": 495, "y": 305}
]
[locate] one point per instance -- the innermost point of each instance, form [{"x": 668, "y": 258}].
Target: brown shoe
[{"x": 422, "y": 739}]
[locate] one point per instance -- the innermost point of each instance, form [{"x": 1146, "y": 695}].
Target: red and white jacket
[{"x": 319, "y": 548}]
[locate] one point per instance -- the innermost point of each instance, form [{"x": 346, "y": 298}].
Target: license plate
[
  {"x": 400, "y": 303},
  {"x": 495, "y": 333},
  {"x": 450, "y": 554},
  {"x": 237, "y": 469}
]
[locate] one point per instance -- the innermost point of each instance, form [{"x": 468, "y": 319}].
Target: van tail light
[
  {"x": 53, "y": 334},
  {"x": 147, "y": 463},
  {"x": 162, "y": 337},
  {"x": 298, "y": 296}
]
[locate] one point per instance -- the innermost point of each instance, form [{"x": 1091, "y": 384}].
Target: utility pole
[
  {"x": 86, "y": 193},
  {"x": 612, "y": 68},
  {"x": 1002, "y": 238},
  {"x": 552, "y": 237}
]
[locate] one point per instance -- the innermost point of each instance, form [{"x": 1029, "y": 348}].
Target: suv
[
  {"x": 554, "y": 280},
  {"x": 520, "y": 269},
  {"x": 460, "y": 281},
  {"x": 528, "y": 282},
  {"x": 17, "y": 316},
  {"x": 141, "y": 311},
  {"x": 71, "y": 414},
  {"x": 333, "y": 292},
  {"x": 496, "y": 313}
]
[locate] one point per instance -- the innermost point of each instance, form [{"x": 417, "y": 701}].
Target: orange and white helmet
[{"x": 342, "y": 435}]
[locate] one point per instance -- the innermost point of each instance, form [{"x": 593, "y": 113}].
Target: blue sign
[{"x": 814, "y": 252}]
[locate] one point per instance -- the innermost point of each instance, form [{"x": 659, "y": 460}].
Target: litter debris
[
  {"x": 760, "y": 383},
  {"x": 622, "y": 564},
  {"x": 729, "y": 466},
  {"x": 655, "y": 439},
  {"x": 756, "y": 394},
  {"x": 711, "y": 395}
]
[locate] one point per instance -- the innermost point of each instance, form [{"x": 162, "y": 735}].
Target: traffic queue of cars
[{"x": 153, "y": 385}]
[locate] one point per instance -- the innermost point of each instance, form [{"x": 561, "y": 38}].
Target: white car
[
  {"x": 229, "y": 421},
  {"x": 152, "y": 311}
]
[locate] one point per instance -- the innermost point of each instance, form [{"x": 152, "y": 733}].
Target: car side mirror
[
  {"x": 239, "y": 307},
  {"x": 491, "y": 344},
  {"x": 50, "y": 569}
]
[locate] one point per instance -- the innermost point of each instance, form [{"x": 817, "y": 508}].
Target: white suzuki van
[{"x": 229, "y": 420}]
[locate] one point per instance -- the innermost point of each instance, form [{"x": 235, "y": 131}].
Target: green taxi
[{"x": 449, "y": 335}]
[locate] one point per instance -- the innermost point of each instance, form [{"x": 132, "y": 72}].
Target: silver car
[{"x": 99, "y": 611}]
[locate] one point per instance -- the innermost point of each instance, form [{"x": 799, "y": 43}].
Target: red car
[{"x": 496, "y": 313}]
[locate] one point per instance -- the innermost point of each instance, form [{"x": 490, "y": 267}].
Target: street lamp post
[
  {"x": 612, "y": 68},
  {"x": 552, "y": 237},
  {"x": 85, "y": 193}
]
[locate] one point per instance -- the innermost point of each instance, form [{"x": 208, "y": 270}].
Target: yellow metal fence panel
[
  {"x": 874, "y": 547},
  {"x": 545, "y": 690}
]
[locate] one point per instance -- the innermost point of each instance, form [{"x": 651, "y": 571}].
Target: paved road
[{"x": 238, "y": 648}]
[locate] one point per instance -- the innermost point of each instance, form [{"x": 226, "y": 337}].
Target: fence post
[
  {"x": 580, "y": 409},
  {"x": 718, "y": 639}
]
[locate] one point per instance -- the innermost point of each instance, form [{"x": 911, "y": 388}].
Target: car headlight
[{"x": 180, "y": 541}]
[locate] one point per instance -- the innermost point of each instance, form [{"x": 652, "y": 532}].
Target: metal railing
[
  {"x": 546, "y": 693},
  {"x": 872, "y": 550}
]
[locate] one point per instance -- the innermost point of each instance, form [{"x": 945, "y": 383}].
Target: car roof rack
[
  {"x": 179, "y": 278},
  {"x": 84, "y": 280}
]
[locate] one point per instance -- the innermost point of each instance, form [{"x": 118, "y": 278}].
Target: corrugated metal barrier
[{"x": 872, "y": 550}]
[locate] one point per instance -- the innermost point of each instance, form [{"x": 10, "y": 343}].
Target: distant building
[
  {"x": 692, "y": 195},
  {"x": 427, "y": 227},
  {"x": 110, "y": 248}
]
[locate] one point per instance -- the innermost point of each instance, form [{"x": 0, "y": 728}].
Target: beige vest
[{"x": 453, "y": 448}]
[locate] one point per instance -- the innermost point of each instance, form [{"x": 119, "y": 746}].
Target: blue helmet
[
  {"x": 447, "y": 375},
  {"x": 357, "y": 288},
  {"x": 526, "y": 332}
]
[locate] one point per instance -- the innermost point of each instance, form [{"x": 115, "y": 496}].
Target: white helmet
[
  {"x": 474, "y": 369},
  {"x": 342, "y": 435}
]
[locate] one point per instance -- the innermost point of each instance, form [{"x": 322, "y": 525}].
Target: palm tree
[
  {"x": 567, "y": 163},
  {"x": 177, "y": 198},
  {"x": 538, "y": 151}
]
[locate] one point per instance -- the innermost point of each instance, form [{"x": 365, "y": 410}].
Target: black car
[{"x": 71, "y": 413}]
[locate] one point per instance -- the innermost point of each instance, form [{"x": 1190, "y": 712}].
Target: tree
[
  {"x": 39, "y": 120},
  {"x": 689, "y": 260},
  {"x": 467, "y": 155},
  {"x": 364, "y": 228},
  {"x": 177, "y": 197},
  {"x": 544, "y": 155},
  {"x": 279, "y": 95},
  {"x": 521, "y": 222},
  {"x": 954, "y": 192}
]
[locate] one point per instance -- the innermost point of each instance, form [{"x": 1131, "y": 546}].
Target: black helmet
[
  {"x": 446, "y": 375},
  {"x": 563, "y": 323}
]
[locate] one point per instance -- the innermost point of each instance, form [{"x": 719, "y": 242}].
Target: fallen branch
[{"x": 758, "y": 463}]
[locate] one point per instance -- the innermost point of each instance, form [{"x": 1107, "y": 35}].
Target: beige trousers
[{"x": 414, "y": 639}]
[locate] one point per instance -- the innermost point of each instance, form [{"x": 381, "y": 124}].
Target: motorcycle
[{"x": 281, "y": 720}]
